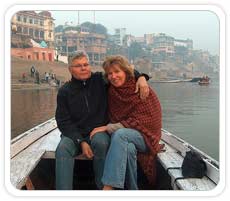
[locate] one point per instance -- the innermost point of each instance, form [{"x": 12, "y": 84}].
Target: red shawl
[{"x": 126, "y": 107}]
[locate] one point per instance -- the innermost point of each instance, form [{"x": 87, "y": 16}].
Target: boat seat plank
[
  {"x": 170, "y": 159},
  {"x": 190, "y": 184},
  {"x": 167, "y": 148},
  {"x": 175, "y": 142},
  {"x": 22, "y": 165},
  {"x": 51, "y": 141}
]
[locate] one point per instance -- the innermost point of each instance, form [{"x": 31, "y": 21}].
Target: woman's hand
[
  {"x": 143, "y": 87},
  {"x": 96, "y": 130}
]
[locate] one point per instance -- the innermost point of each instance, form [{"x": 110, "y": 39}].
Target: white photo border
[{"x": 222, "y": 142}]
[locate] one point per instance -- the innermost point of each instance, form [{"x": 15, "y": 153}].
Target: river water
[{"x": 190, "y": 111}]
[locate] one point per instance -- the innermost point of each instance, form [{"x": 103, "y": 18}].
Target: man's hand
[
  {"x": 96, "y": 130},
  {"x": 86, "y": 150},
  {"x": 143, "y": 87}
]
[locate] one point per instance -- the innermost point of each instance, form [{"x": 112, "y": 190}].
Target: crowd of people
[{"x": 49, "y": 78}]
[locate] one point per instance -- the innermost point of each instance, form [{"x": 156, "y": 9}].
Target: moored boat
[
  {"x": 33, "y": 163},
  {"x": 204, "y": 81}
]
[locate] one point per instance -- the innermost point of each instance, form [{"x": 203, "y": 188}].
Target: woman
[{"x": 135, "y": 128}]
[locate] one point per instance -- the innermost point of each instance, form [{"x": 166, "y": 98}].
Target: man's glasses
[{"x": 80, "y": 65}]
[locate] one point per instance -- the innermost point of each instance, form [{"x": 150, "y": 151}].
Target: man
[
  {"x": 81, "y": 107},
  {"x": 32, "y": 71},
  {"x": 37, "y": 77}
]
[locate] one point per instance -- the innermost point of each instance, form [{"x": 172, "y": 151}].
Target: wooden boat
[
  {"x": 32, "y": 163},
  {"x": 204, "y": 81}
]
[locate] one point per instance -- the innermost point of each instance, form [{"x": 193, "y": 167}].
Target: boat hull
[
  {"x": 203, "y": 83},
  {"x": 35, "y": 150}
]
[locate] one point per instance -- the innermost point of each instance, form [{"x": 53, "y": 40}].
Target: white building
[{"x": 120, "y": 35}]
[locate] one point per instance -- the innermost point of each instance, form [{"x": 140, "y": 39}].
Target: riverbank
[
  {"x": 21, "y": 66},
  {"x": 30, "y": 86}
]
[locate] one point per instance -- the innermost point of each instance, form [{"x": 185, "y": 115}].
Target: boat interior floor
[{"x": 43, "y": 177}]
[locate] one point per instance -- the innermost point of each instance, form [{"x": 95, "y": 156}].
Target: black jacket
[{"x": 82, "y": 106}]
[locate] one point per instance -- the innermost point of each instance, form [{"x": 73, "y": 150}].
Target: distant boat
[{"x": 204, "y": 81}]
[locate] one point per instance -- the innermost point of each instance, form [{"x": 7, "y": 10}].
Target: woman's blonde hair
[{"x": 121, "y": 61}]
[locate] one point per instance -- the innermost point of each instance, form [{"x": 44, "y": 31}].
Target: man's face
[{"x": 80, "y": 68}]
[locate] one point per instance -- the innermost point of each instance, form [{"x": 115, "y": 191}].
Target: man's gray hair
[{"x": 77, "y": 55}]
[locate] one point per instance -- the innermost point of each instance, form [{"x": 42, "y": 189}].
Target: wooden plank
[
  {"x": 170, "y": 159},
  {"x": 191, "y": 184},
  {"x": 212, "y": 171},
  {"x": 52, "y": 120},
  {"x": 29, "y": 184},
  {"x": 22, "y": 165},
  {"x": 167, "y": 147},
  {"x": 51, "y": 141},
  {"x": 175, "y": 142},
  {"x": 51, "y": 155},
  {"x": 28, "y": 139}
]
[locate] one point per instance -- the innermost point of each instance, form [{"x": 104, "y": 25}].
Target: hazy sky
[{"x": 200, "y": 26}]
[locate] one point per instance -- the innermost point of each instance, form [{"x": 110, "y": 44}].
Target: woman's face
[{"x": 116, "y": 76}]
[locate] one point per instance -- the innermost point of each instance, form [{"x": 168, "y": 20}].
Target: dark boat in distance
[{"x": 204, "y": 81}]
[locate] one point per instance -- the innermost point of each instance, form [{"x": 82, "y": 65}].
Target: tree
[
  {"x": 135, "y": 51},
  {"x": 95, "y": 28},
  {"x": 101, "y": 29},
  {"x": 75, "y": 28},
  {"x": 59, "y": 28}
]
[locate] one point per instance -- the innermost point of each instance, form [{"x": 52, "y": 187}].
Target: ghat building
[
  {"x": 69, "y": 41},
  {"x": 37, "y": 26},
  {"x": 28, "y": 28}
]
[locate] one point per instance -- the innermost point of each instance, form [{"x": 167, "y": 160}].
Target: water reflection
[
  {"x": 31, "y": 107},
  {"x": 192, "y": 112}
]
